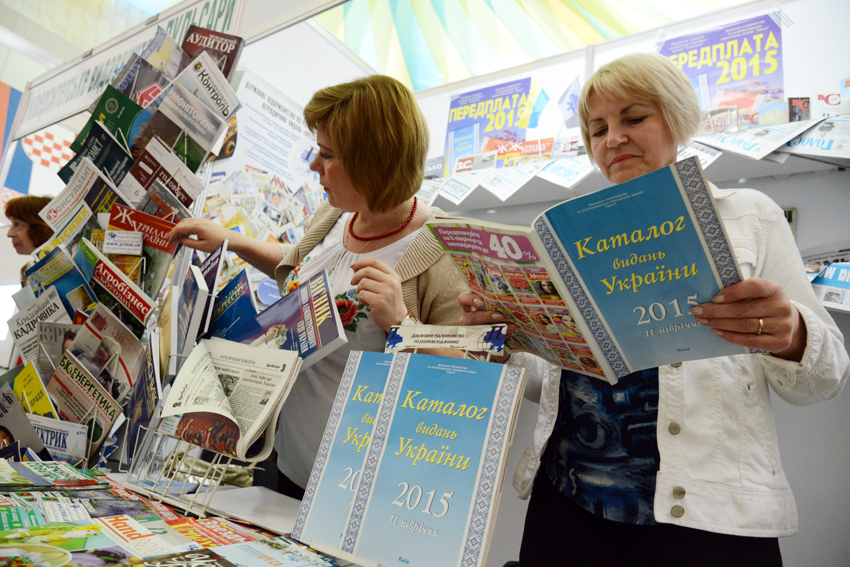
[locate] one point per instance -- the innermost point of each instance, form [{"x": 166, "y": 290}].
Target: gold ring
[{"x": 761, "y": 327}]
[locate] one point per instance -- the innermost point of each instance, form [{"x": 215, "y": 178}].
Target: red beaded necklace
[{"x": 386, "y": 234}]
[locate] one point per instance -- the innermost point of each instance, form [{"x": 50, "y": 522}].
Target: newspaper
[
  {"x": 830, "y": 139},
  {"x": 832, "y": 286},
  {"x": 24, "y": 325},
  {"x": 65, "y": 441},
  {"x": 227, "y": 395},
  {"x": 53, "y": 339},
  {"x": 756, "y": 143}
]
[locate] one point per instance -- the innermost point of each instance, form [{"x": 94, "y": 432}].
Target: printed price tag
[{"x": 123, "y": 242}]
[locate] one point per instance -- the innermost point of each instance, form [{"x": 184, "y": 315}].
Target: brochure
[{"x": 57, "y": 270}]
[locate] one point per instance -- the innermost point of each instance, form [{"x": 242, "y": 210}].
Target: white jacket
[{"x": 720, "y": 468}]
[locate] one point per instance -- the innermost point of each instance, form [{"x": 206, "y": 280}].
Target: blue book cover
[
  {"x": 57, "y": 269},
  {"x": 144, "y": 397},
  {"x": 190, "y": 304},
  {"x": 635, "y": 258},
  {"x": 233, "y": 307},
  {"x": 337, "y": 469},
  {"x": 305, "y": 320},
  {"x": 431, "y": 479}
]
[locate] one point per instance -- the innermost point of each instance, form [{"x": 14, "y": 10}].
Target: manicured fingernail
[
  {"x": 717, "y": 332},
  {"x": 696, "y": 310},
  {"x": 498, "y": 316},
  {"x": 478, "y": 302},
  {"x": 701, "y": 320},
  {"x": 719, "y": 298}
]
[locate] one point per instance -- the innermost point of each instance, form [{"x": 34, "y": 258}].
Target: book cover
[
  {"x": 223, "y": 49},
  {"x": 64, "y": 440},
  {"x": 14, "y": 425},
  {"x": 114, "y": 289},
  {"x": 57, "y": 270},
  {"x": 431, "y": 479},
  {"x": 116, "y": 112},
  {"x": 162, "y": 204},
  {"x": 158, "y": 163},
  {"x": 183, "y": 124},
  {"x": 144, "y": 397},
  {"x": 615, "y": 273},
  {"x": 87, "y": 185},
  {"x": 80, "y": 398},
  {"x": 305, "y": 320},
  {"x": 157, "y": 251},
  {"x": 337, "y": 470},
  {"x": 24, "y": 325},
  {"x": 190, "y": 310},
  {"x": 233, "y": 306},
  {"x": 109, "y": 351},
  {"x": 109, "y": 155}
]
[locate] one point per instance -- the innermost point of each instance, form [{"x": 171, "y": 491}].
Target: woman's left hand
[
  {"x": 756, "y": 313},
  {"x": 379, "y": 287}
]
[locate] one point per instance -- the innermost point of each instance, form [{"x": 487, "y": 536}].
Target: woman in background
[
  {"x": 28, "y": 230},
  {"x": 677, "y": 465},
  {"x": 384, "y": 267}
]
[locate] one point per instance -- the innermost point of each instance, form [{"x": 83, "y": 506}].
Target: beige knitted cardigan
[{"x": 430, "y": 283}]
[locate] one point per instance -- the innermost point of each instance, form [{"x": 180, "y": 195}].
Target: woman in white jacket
[{"x": 676, "y": 465}]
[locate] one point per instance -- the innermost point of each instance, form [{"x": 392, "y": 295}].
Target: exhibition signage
[
  {"x": 71, "y": 88},
  {"x": 742, "y": 57}
]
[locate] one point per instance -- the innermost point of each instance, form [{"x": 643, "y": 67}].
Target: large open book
[
  {"x": 602, "y": 283},
  {"x": 227, "y": 396}
]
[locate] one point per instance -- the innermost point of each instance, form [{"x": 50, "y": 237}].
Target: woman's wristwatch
[{"x": 408, "y": 319}]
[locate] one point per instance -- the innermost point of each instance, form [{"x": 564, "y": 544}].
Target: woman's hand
[
  {"x": 756, "y": 313},
  {"x": 209, "y": 235},
  {"x": 379, "y": 287},
  {"x": 472, "y": 315}
]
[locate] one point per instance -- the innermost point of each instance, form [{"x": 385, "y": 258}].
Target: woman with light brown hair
[
  {"x": 28, "y": 230},
  {"x": 384, "y": 267}
]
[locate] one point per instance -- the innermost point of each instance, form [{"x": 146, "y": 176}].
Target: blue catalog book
[
  {"x": 337, "y": 470},
  {"x": 431, "y": 481},
  {"x": 305, "y": 320},
  {"x": 602, "y": 283}
]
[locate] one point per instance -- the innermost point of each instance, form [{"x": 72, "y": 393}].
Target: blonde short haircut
[
  {"x": 646, "y": 77},
  {"x": 379, "y": 133}
]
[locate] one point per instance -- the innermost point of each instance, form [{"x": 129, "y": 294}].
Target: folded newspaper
[{"x": 228, "y": 395}]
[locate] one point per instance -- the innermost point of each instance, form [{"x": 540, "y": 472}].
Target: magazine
[
  {"x": 211, "y": 269},
  {"x": 210, "y": 532},
  {"x": 114, "y": 289},
  {"x": 184, "y": 124},
  {"x": 191, "y": 303},
  {"x": 161, "y": 203},
  {"x": 64, "y": 440},
  {"x": 109, "y": 155},
  {"x": 305, "y": 320},
  {"x": 139, "y": 80},
  {"x": 57, "y": 270},
  {"x": 116, "y": 112},
  {"x": 164, "y": 53},
  {"x": 156, "y": 250},
  {"x": 144, "y": 398},
  {"x": 275, "y": 552},
  {"x": 461, "y": 412},
  {"x": 24, "y": 325},
  {"x": 223, "y": 49},
  {"x": 89, "y": 186},
  {"x": 109, "y": 351},
  {"x": 81, "y": 398},
  {"x": 602, "y": 284},
  {"x": 158, "y": 163},
  {"x": 227, "y": 396},
  {"x": 29, "y": 390},
  {"x": 14, "y": 425},
  {"x": 53, "y": 339},
  {"x": 83, "y": 224},
  {"x": 205, "y": 81},
  {"x": 232, "y": 307}
]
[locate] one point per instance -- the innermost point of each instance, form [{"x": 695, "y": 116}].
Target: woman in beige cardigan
[{"x": 383, "y": 265}]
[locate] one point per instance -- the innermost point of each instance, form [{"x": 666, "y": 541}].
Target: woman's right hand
[
  {"x": 473, "y": 315},
  {"x": 208, "y": 234}
]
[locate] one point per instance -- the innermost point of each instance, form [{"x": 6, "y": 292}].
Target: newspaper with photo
[
  {"x": 227, "y": 396},
  {"x": 24, "y": 325}
]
